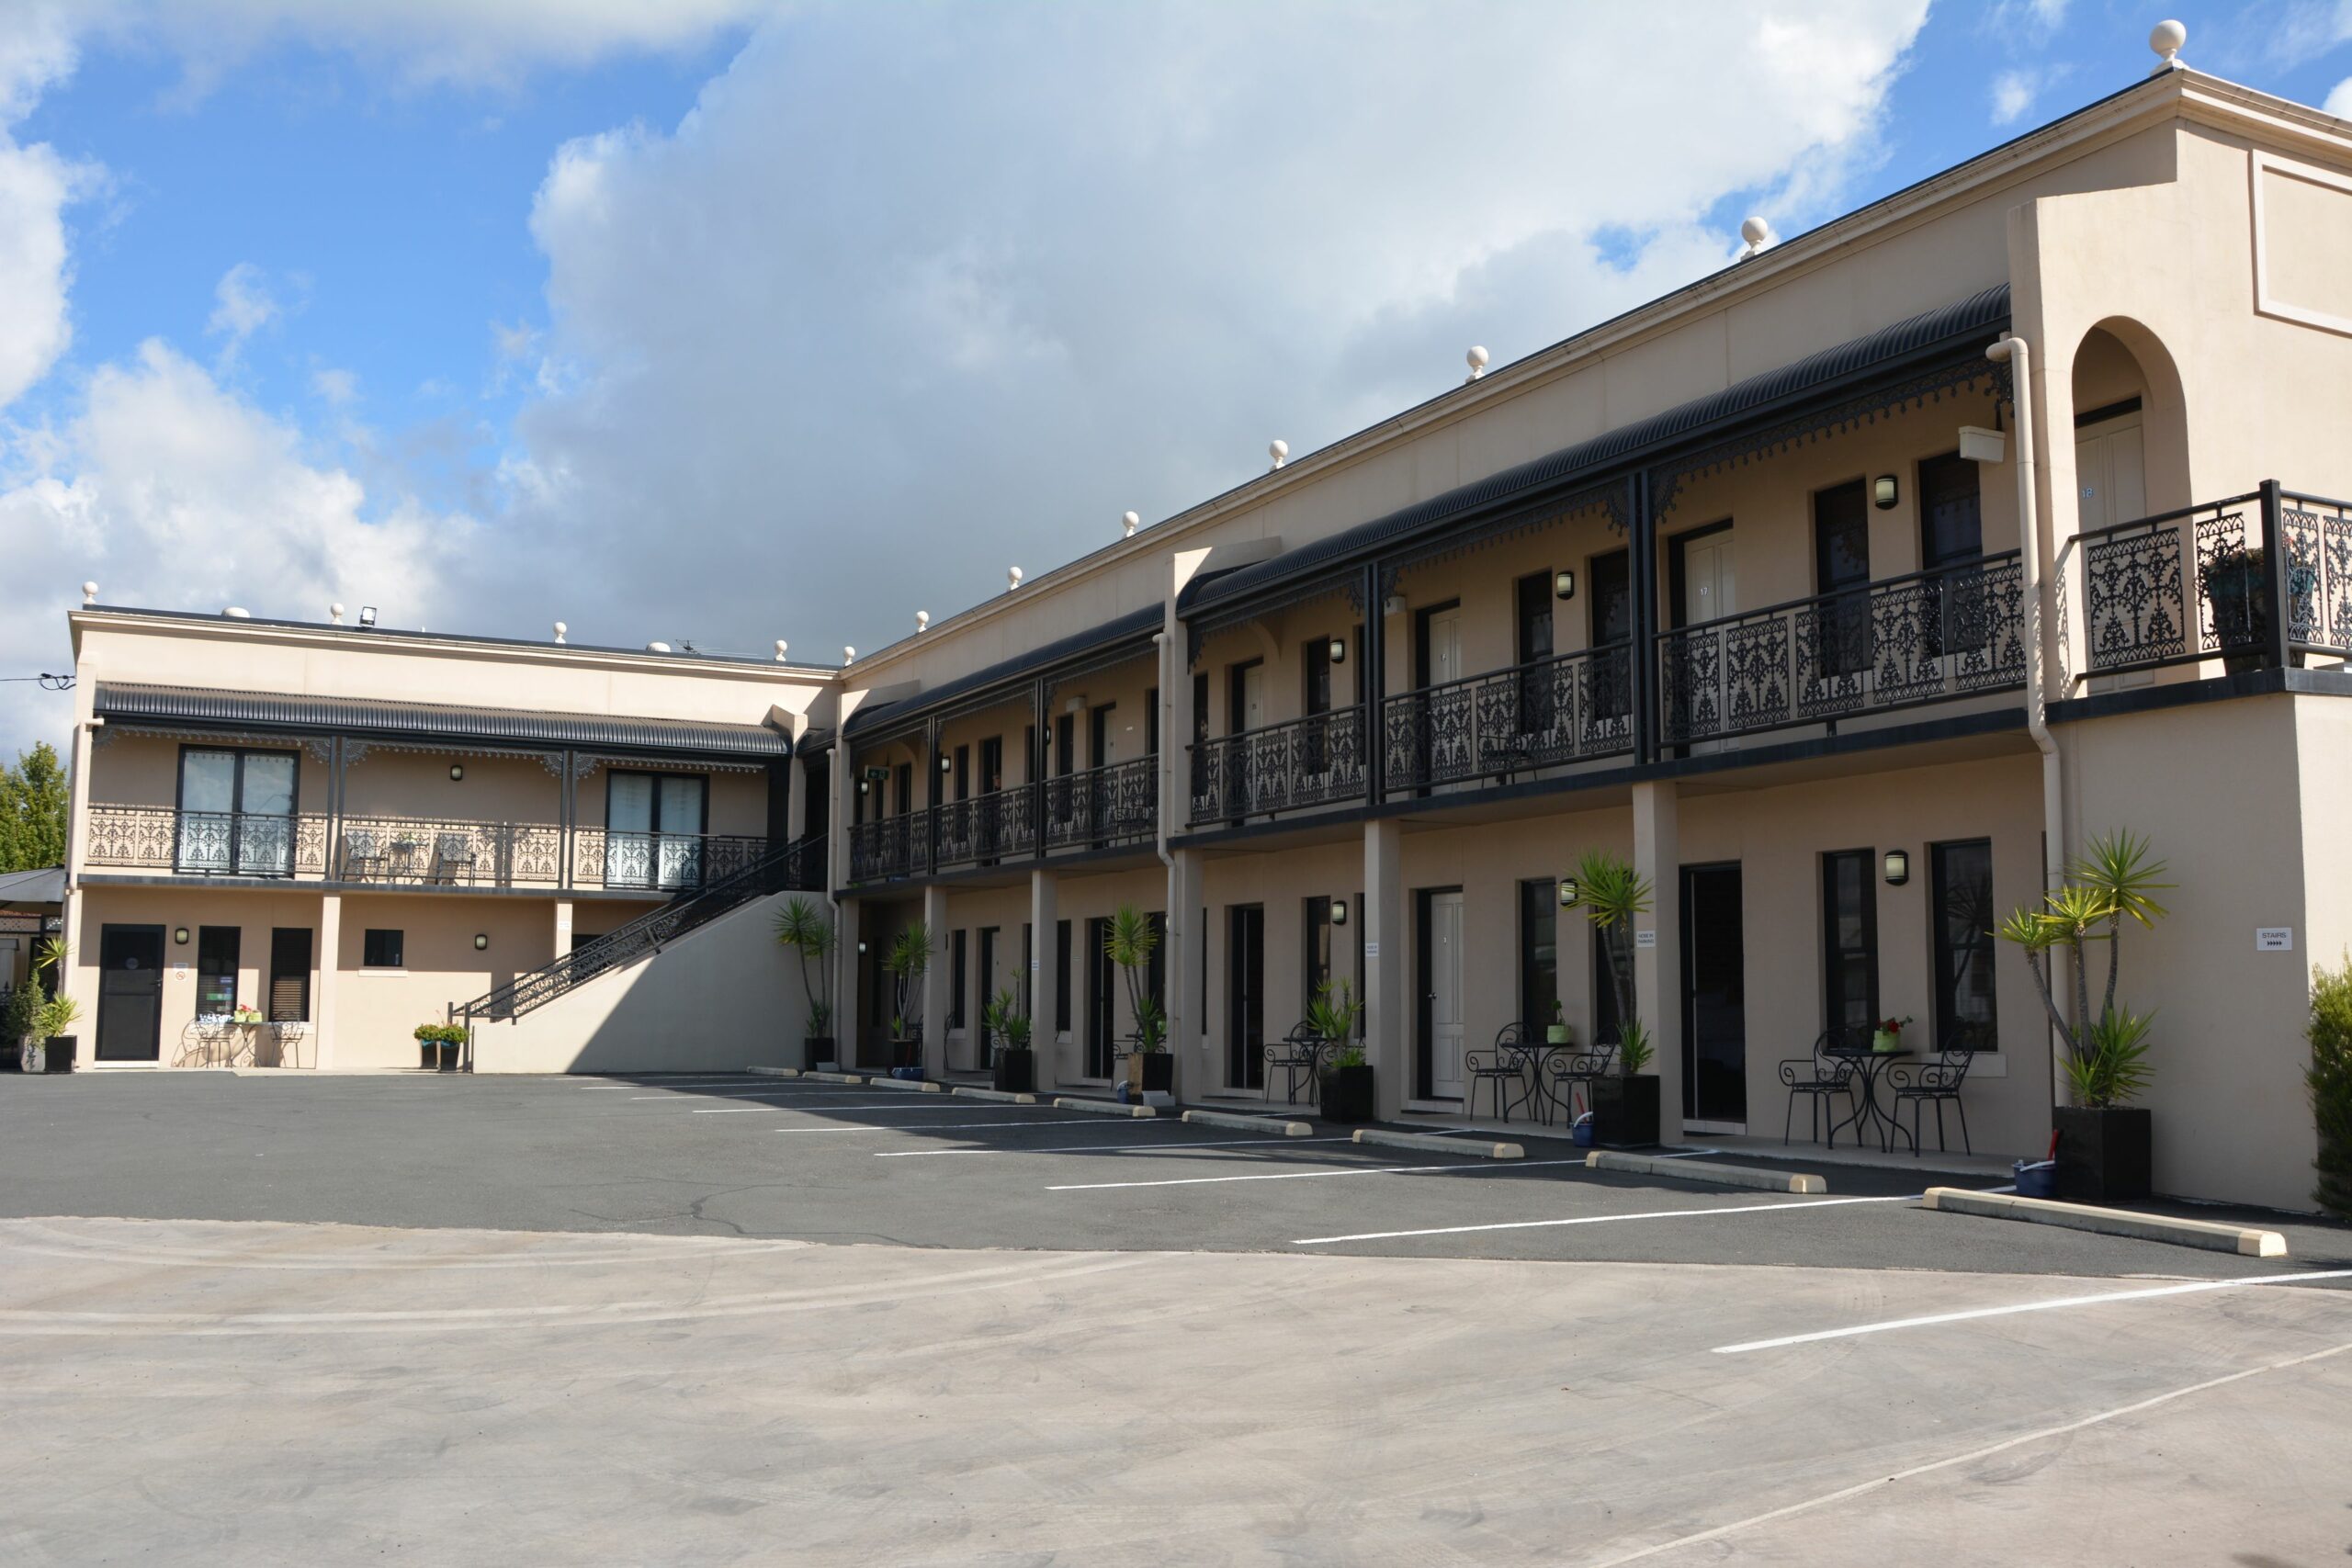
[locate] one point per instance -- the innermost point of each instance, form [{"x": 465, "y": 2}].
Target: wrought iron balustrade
[
  {"x": 1926, "y": 638},
  {"x": 662, "y": 862},
  {"x": 1116, "y": 804},
  {"x": 207, "y": 844},
  {"x": 2186, "y": 586},
  {"x": 1314, "y": 760},
  {"x": 1563, "y": 709},
  {"x": 888, "y": 846},
  {"x": 421, "y": 852},
  {"x": 986, "y": 827}
]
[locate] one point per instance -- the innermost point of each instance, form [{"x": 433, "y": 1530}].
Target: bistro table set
[
  {"x": 1875, "y": 1072},
  {"x": 1540, "y": 1076}
]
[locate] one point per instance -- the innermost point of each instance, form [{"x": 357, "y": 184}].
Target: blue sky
[{"x": 727, "y": 319}]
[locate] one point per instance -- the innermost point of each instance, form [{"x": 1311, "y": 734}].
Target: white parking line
[
  {"x": 1102, "y": 1149},
  {"x": 714, "y": 1094},
  {"x": 934, "y": 1127},
  {"x": 1606, "y": 1219},
  {"x": 690, "y": 1083},
  {"x": 2052, "y": 1305},
  {"x": 1481, "y": 1167}
]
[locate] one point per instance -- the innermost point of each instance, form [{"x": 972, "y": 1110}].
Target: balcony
[
  {"x": 888, "y": 846},
  {"x": 1931, "y": 636},
  {"x": 2136, "y": 581},
  {"x": 1570, "y": 708},
  {"x": 1116, "y": 804},
  {"x": 409, "y": 852},
  {"x": 984, "y": 830},
  {"x": 1314, "y": 760}
]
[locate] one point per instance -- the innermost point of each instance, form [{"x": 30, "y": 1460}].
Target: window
[
  {"x": 1319, "y": 946},
  {"x": 1317, "y": 651},
  {"x": 289, "y": 975},
  {"x": 1963, "y": 876},
  {"x": 216, "y": 969},
  {"x": 1841, "y": 567},
  {"x": 902, "y": 787},
  {"x": 1151, "y": 722},
  {"x": 1534, "y": 617},
  {"x": 1539, "y": 953},
  {"x": 1951, "y": 526},
  {"x": 1102, "y": 997},
  {"x": 1609, "y": 581},
  {"x": 1850, "y": 939},
  {"x": 236, "y": 812},
  {"x": 1156, "y": 970},
  {"x": 958, "y": 978},
  {"x": 1604, "y": 991},
  {"x": 653, "y": 828},
  {"x": 1061, "y": 976},
  {"x": 381, "y": 950},
  {"x": 1065, "y": 743},
  {"x": 963, "y": 772},
  {"x": 987, "y": 990},
  {"x": 1028, "y": 970},
  {"x": 992, "y": 764}
]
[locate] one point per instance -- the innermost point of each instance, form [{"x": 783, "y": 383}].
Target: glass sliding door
[
  {"x": 628, "y": 830},
  {"x": 236, "y": 814},
  {"x": 207, "y": 812},
  {"x": 653, "y": 830},
  {"x": 678, "y": 828},
  {"x": 265, "y": 814}
]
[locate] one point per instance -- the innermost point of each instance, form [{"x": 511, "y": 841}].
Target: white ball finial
[
  {"x": 2167, "y": 39},
  {"x": 922, "y": 621},
  {"x": 1756, "y": 232},
  {"x": 1279, "y": 451},
  {"x": 560, "y": 630},
  {"x": 89, "y": 593},
  {"x": 1012, "y": 578},
  {"x": 849, "y": 656},
  {"x": 335, "y": 614},
  {"x": 1129, "y": 522},
  {"x": 1477, "y": 360},
  {"x": 780, "y": 646}
]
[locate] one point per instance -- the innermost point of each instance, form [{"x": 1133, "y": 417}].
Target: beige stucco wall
[{"x": 256, "y": 914}]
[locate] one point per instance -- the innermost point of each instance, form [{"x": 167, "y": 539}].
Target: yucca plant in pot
[
  {"x": 1346, "y": 1089},
  {"x": 806, "y": 928},
  {"x": 2106, "y": 1145},
  {"x": 906, "y": 962},
  {"x": 1624, "y": 1104},
  {"x": 1129, "y": 943},
  {"x": 1015, "y": 1066}
]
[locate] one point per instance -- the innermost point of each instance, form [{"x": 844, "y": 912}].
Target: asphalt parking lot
[{"x": 729, "y": 1319}]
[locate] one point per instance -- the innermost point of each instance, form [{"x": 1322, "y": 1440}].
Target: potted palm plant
[
  {"x": 1015, "y": 1066},
  {"x": 908, "y": 960},
  {"x": 2106, "y": 1145},
  {"x": 1129, "y": 943},
  {"x": 1624, "y": 1105},
  {"x": 801, "y": 926},
  {"x": 1347, "y": 1088}
]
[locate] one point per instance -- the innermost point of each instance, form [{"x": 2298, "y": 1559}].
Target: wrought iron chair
[
  {"x": 1828, "y": 1071},
  {"x": 1919, "y": 1084},
  {"x": 1295, "y": 1056},
  {"x": 453, "y": 852},
  {"x": 363, "y": 858},
  {"x": 1564, "y": 1073},
  {"x": 1504, "y": 1063}
]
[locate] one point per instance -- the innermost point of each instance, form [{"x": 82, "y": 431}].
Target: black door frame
[
  {"x": 1245, "y": 1060},
  {"x": 155, "y": 1045},
  {"x": 1691, "y": 1109},
  {"x": 1424, "y": 1012}
]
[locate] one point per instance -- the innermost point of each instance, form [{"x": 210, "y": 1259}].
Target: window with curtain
[
  {"x": 1962, "y": 878},
  {"x": 1849, "y": 940}
]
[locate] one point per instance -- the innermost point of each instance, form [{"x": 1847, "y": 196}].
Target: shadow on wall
[{"x": 722, "y": 997}]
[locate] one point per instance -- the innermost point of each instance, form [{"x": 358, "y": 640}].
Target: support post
[
  {"x": 937, "y": 982},
  {"x": 1386, "y": 1030},
  {"x": 1658, "y": 943},
  {"x": 1375, "y": 655},
  {"x": 849, "y": 986},
  {"x": 1041, "y": 739},
  {"x": 330, "y": 961},
  {"x": 2280, "y": 627},
  {"x": 1187, "y": 952},
  {"x": 1045, "y": 975},
  {"x": 1641, "y": 530}
]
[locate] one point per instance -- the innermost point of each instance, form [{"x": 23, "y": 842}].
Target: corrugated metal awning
[
  {"x": 377, "y": 718},
  {"x": 1131, "y": 631}
]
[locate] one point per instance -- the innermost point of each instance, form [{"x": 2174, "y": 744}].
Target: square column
[
  {"x": 1188, "y": 951},
  {"x": 1388, "y": 1043},
  {"x": 563, "y": 928},
  {"x": 849, "y": 993},
  {"x": 1045, "y": 975},
  {"x": 936, "y": 986},
  {"x": 1657, "y": 943},
  {"x": 330, "y": 960}
]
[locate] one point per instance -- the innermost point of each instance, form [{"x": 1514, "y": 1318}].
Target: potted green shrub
[
  {"x": 2106, "y": 1145},
  {"x": 1129, "y": 942},
  {"x": 33, "y": 1030},
  {"x": 1015, "y": 1066},
  {"x": 1886, "y": 1039},
  {"x": 803, "y": 927},
  {"x": 907, "y": 961},
  {"x": 439, "y": 1046},
  {"x": 1347, "y": 1088},
  {"x": 1625, "y": 1104},
  {"x": 2237, "y": 589},
  {"x": 18, "y": 1010},
  {"x": 2329, "y": 1080}
]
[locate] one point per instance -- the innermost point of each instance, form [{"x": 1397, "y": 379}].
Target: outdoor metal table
[
  {"x": 1537, "y": 1052},
  {"x": 1868, "y": 1111}
]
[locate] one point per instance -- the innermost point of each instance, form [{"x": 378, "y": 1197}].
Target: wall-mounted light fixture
[
  {"x": 1883, "y": 493},
  {"x": 456, "y": 772},
  {"x": 1569, "y": 892},
  {"x": 1898, "y": 867},
  {"x": 367, "y": 615},
  {"x": 1339, "y": 650},
  {"x": 481, "y": 942},
  {"x": 865, "y": 786},
  {"x": 1393, "y": 606},
  {"x": 179, "y": 935},
  {"x": 1563, "y": 585},
  {"x": 860, "y": 948},
  {"x": 947, "y": 763},
  {"x": 1338, "y": 911}
]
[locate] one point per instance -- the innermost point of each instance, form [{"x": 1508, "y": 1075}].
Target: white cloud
[
  {"x": 2012, "y": 95},
  {"x": 242, "y": 305},
  {"x": 336, "y": 387},
  {"x": 913, "y": 293},
  {"x": 168, "y": 489},
  {"x": 2339, "y": 102}
]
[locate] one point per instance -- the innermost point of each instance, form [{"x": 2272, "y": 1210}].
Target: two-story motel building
[{"x": 1847, "y": 592}]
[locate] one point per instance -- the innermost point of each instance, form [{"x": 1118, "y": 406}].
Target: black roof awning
[
  {"x": 1109, "y": 640},
  {"x": 380, "y": 719}
]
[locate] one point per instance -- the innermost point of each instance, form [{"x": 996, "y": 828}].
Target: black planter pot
[
  {"x": 816, "y": 1048},
  {"x": 1347, "y": 1094},
  {"x": 428, "y": 1054},
  {"x": 907, "y": 1052},
  {"x": 62, "y": 1049},
  {"x": 449, "y": 1055},
  {"x": 1152, "y": 1072},
  {"x": 2105, "y": 1156},
  {"x": 1624, "y": 1113},
  {"x": 1015, "y": 1070}
]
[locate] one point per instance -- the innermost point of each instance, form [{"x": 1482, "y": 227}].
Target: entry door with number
[
  {"x": 1441, "y": 995},
  {"x": 130, "y": 993}
]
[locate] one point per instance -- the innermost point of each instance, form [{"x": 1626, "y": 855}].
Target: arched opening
[{"x": 2130, "y": 427}]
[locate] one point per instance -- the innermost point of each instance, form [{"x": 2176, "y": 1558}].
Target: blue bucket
[{"x": 2038, "y": 1179}]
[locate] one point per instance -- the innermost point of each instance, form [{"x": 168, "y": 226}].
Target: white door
[
  {"x": 1449, "y": 742},
  {"x": 1253, "y": 697},
  {"x": 1445, "y": 646},
  {"x": 1708, "y": 591},
  {"x": 1445, "y": 996},
  {"x": 2111, "y": 487}
]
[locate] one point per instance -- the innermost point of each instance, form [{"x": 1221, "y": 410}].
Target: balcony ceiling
[
  {"x": 1081, "y": 651},
  {"x": 380, "y": 719}
]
